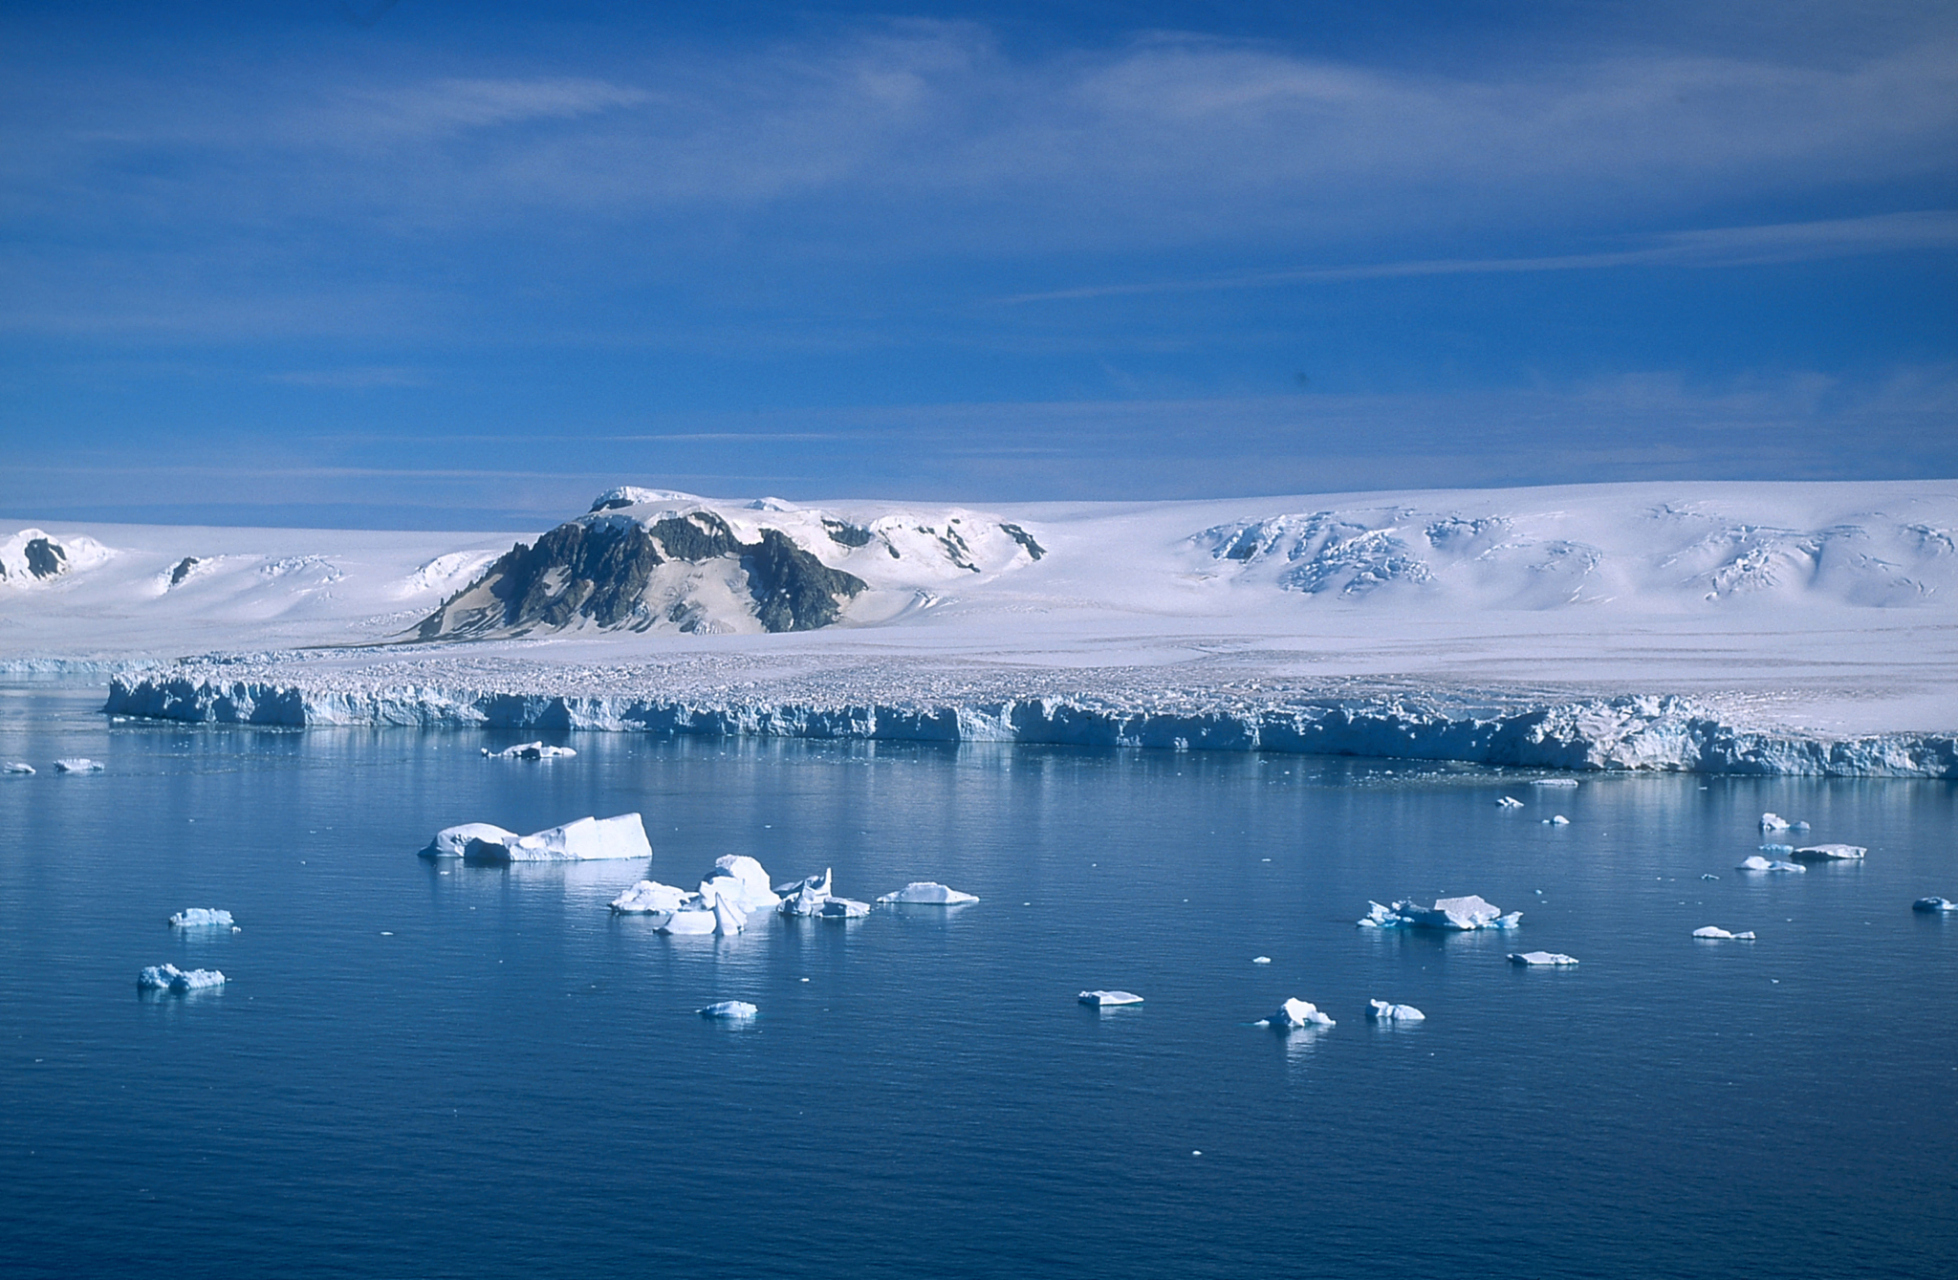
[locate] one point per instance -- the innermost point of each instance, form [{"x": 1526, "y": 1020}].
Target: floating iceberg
[
  {"x": 1459, "y": 914},
  {"x": 1260, "y": 959},
  {"x": 453, "y": 842},
  {"x": 1556, "y": 820},
  {"x": 730, "y": 1010},
  {"x": 805, "y": 897},
  {"x": 1829, "y": 853},
  {"x": 78, "y": 764},
  {"x": 1509, "y": 802},
  {"x": 1535, "y": 959},
  {"x": 530, "y": 751},
  {"x": 585, "y": 840},
  {"x": 17, "y": 766},
  {"x": 1553, "y": 782},
  {"x": 648, "y": 897},
  {"x": 199, "y": 917},
  {"x": 743, "y": 881},
  {"x": 928, "y": 892},
  {"x": 1714, "y": 934},
  {"x": 1104, "y": 999},
  {"x": 1294, "y": 1014},
  {"x": 1755, "y": 862},
  {"x": 843, "y": 909},
  {"x": 1383, "y": 1011},
  {"x": 1777, "y": 850},
  {"x": 168, "y": 977},
  {"x": 1775, "y": 822},
  {"x": 1934, "y": 904},
  {"x": 693, "y": 921}
]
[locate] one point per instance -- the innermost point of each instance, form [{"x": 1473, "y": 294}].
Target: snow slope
[{"x": 1696, "y": 625}]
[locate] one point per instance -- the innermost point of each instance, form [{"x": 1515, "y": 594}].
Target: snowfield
[{"x": 1806, "y": 628}]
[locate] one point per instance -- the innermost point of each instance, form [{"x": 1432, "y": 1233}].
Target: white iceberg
[
  {"x": 1714, "y": 934},
  {"x": 1556, "y": 820},
  {"x": 1539, "y": 958},
  {"x": 530, "y": 751},
  {"x": 1509, "y": 802},
  {"x": 1755, "y": 862},
  {"x": 730, "y": 1010},
  {"x": 1294, "y": 1014},
  {"x": 692, "y": 921},
  {"x": 742, "y": 880},
  {"x": 834, "y": 908},
  {"x": 1553, "y": 782},
  {"x": 1773, "y": 822},
  {"x": 78, "y": 764},
  {"x": 1105, "y": 999},
  {"x": 1458, "y": 914},
  {"x": 1777, "y": 850},
  {"x": 585, "y": 840},
  {"x": 1934, "y": 904},
  {"x": 1385, "y": 1011},
  {"x": 453, "y": 842},
  {"x": 168, "y": 977},
  {"x": 1829, "y": 853},
  {"x": 17, "y": 766},
  {"x": 199, "y": 917},
  {"x": 1260, "y": 959},
  {"x": 805, "y": 897},
  {"x": 649, "y": 897},
  {"x": 928, "y": 892}
]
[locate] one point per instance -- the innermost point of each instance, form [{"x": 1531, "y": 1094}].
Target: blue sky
[{"x": 463, "y": 265}]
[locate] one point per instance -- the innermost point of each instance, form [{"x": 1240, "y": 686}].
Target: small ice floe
[
  {"x": 1775, "y": 822},
  {"x": 1108, "y": 999},
  {"x": 1709, "y": 876},
  {"x": 1829, "y": 853},
  {"x": 835, "y": 908},
  {"x": 1713, "y": 934},
  {"x": 1556, "y": 820},
  {"x": 1383, "y": 1011},
  {"x": 1260, "y": 959},
  {"x": 692, "y": 921},
  {"x": 1537, "y": 959},
  {"x": 586, "y": 840},
  {"x": 730, "y": 1011},
  {"x": 168, "y": 977},
  {"x": 1777, "y": 850},
  {"x": 1553, "y": 782},
  {"x": 927, "y": 892},
  {"x": 1509, "y": 802},
  {"x": 1458, "y": 914},
  {"x": 1934, "y": 904},
  {"x": 201, "y": 917},
  {"x": 78, "y": 764},
  {"x": 1295, "y": 1014},
  {"x": 743, "y": 881},
  {"x": 18, "y": 766},
  {"x": 1755, "y": 862},
  {"x": 648, "y": 897},
  {"x": 530, "y": 751},
  {"x": 452, "y": 842}
]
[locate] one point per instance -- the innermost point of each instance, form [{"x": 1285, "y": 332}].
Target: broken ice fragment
[
  {"x": 1459, "y": 914},
  {"x": 17, "y": 766},
  {"x": 78, "y": 764},
  {"x": 1540, "y": 958},
  {"x": 647, "y": 897},
  {"x": 1260, "y": 959},
  {"x": 1773, "y": 822},
  {"x": 1383, "y": 1011},
  {"x": 168, "y": 977},
  {"x": 928, "y": 892},
  {"x": 1104, "y": 999},
  {"x": 530, "y": 751},
  {"x": 1556, "y": 820},
  {"x": 1295, "y": 1014},
  {"x": 742, "y": 880},
  {"x": 1829, "y": 853},
  {"x": 1714, "y": 934},
  {"x": 1777, "y": 850},
  {"x": 1755, "y": 862},
  {"x": 585, "y": 840},
  {"x": 835, "y": 908},
  {"x": 694, "y": 921},
  {"x": 730, "y": 1010},
  {"x": 1553, "y": 782},
  {"x": 1934, "y": 904},
  {"x": 1509, "y": 802},
  {"x": 197, "y": 917},
  {"x": 450, "y": 842}
]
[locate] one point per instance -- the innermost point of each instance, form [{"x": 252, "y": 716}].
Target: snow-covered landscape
[{"x": 1735, "y": 627}]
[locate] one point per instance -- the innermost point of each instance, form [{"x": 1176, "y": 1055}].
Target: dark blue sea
[{"x": 433, "y": 1069}]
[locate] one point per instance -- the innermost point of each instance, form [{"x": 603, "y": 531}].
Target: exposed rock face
[
  {"x": 45, "y": 558},
  {"x": 1024, "y": 538},
  {"x": 182, "y": 571},
  {"x": 615, "y": 573}
]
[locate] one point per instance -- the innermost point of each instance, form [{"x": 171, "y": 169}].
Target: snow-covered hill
[{"x": 1819, "y": 609}]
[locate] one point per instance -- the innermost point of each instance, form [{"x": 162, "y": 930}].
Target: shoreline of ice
[{"x": 1061, "y": 707}]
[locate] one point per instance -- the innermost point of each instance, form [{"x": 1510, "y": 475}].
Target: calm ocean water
[{"x": 443, "y": 1070}]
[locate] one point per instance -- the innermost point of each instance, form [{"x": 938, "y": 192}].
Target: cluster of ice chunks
[
  {"x": 1454, "y": 914},
  {"x": 530, "y": 751},
  {"x": 1775, "y": 822},
  {"x": 168, "y": 977},
  {"x": 202, "y": 917},
  {"x": 814, "y": 897},
  {"x": 586, "y": 840},
  {"x": 1509, "y": 802}
]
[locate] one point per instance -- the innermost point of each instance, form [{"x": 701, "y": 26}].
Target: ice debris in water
[
  {"x": 1103, "y": 999},
  {"x": 530, "y": 751},
  {"x": 196, "y": 917},
  {"x": 168, "y": 977},
  {"x": 648, "y": 897},
  {"x": 1384, "y": 1011},
  {"x": 743, "y": 881},
  {"x": 585, "y": 840},
  {"x": 1509, "y": 802},
  {"x": 1829, "y": 853},
  {"x": 834, "y": 908},
  {"x": 805, "y": 897},
  {"x": 1934, "y": 904},
  {"x": 78, "y": 764},
  {"x": 1260, "y": 959},
  {"x": 1709, "y": 876},
  {"x": 1556, "y": 820},
  {"x": 1712, "y": 933},
  {"x": 929, "y": 892},
  {"x": 17, "y": 766},
  {"x": 1777, "y": 850},
  {"x": 1775, "y": 822},
  {"x": 1295, "y": 1014},
  {"x": 1755, "y": 862},
  {"x": 730, "y": 1010},
  {"x": 1533, "y": 959},
  {"x": 1462, "y": 914},
  {"x": 451, "y": 842},
  {"x": 1553, "y": 782}
]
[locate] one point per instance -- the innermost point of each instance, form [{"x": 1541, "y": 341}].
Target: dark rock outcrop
[
  {"x": 46, "y": 559},
  {"x": 182, "y": 571}
]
